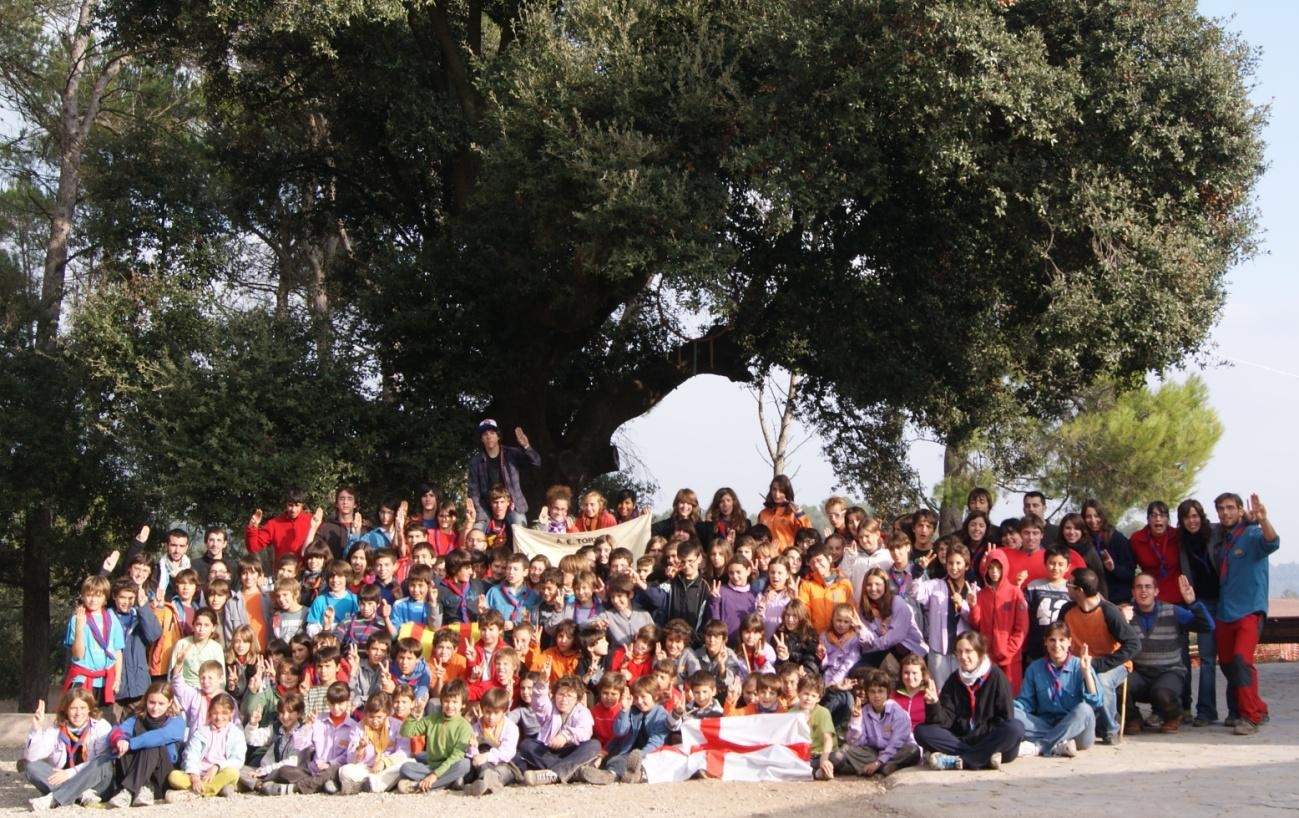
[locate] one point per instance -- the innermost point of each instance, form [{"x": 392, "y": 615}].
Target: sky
[{"x": 706, "y": 435}]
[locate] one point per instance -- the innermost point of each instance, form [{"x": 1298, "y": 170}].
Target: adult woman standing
[
  {"x": 1199, "y": 566},
  {"x": 1113, "y": 552},
  {"x": 971, "y": 723}
]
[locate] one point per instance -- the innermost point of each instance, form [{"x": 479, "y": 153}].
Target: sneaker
[
  {"x": 42, "y": 803},
  {"x": 994, "y": 763},
  {"x": 1027, "y": 749},
  {"x": 406, "y": 786},
  {"x": 1230, "y": 721},
  {"x": 143, "y": 798},
  {"x": 632, "y": 775},
  {"x": 1245, "y": 727},
  {"x": 591, "y": 774},
  {"x": 179, "y": 796},
  {"x": 1065, "y": 749},
  {"x": 539, "y": 778},
  {"x": 887, "y": 770},
  {"x": 349, "y": 786},
  {"x": 122, "y": 800},
  {"x": 331, "y": 787},
  {"x": 88, "y": 798},
  {"x": 278, "y": 789},
  {"x": 1201, "y": 721},
  {"x": 943, "y": 761},
  {"x": 1171, "y": 725},
  {"x": 486, "y": 784},
  {"x": 228, "y": 791}
]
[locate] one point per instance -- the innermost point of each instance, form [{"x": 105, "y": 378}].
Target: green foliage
[{"x": 1129, "y": 447}]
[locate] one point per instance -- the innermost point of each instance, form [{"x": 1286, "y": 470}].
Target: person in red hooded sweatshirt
[
  {"x": 1000, "y": 615},
  {"x": 285, "y": 533},
  {"x": 1158, "y": 551}
]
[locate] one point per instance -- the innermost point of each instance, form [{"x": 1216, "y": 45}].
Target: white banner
[
  {"x": 633, "y": 535},
  {"x": 774, "y": 747}
]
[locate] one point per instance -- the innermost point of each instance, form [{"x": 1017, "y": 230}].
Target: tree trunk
[
  {"x": 952, "y": 510},
  {"x": 778, "y": 448},
  {"x": 75, "y": 122},
  {"x": 575, "y": 444}
]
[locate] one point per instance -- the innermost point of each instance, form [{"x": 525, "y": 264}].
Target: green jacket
[{"x": 445, "y": 740}]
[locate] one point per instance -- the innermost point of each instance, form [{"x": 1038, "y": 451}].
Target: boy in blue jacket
[{"x": 641, "y": 727}]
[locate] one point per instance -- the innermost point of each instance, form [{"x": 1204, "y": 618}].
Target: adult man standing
[
  {"x": 1097, "y": 623},
  {"x": 286, "y": 533},
  {"x": 1035, "y": 505},
  {"x": 497, "y": 465},
  {"x": 214, "y": 548},
  {"x": 1247, "y": 539}
]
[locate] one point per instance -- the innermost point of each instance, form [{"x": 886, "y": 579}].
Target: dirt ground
[{"x": 1198, "y": 772}]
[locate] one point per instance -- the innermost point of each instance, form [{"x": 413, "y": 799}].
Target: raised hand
[
  {"x": 255, "y": 520},
  {"x": 1188, "y": 592},
  {"x": 386, "y": 610},
  {"x": 1085, "y": 656},
  {"x": 782, "y": 647},
  {"x": 143, "y": 536},
  {"x": 1255, "y": 511},
  {"x": 521, "y": 437},
  {"x": 110, "y": 562},
  {"x": 931, "y": 691},
  {"x": 1021, "y": 578},
  {"x": 482, "y": 603},
  {"x": 715, "y": 588},
  {"x": 38, "y": 716},
  {"x": 1127, "y": 612}
]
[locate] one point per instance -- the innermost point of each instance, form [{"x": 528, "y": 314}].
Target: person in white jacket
[{"x": 69, "y": 762}]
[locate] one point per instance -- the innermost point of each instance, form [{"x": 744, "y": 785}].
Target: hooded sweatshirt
[{"x": 1001, "y": 617}]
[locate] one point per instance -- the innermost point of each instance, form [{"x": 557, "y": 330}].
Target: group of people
[{"x": 427, "y": 653}]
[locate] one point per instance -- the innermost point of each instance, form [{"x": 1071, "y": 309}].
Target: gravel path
[{"x": 1198, "y": 772}]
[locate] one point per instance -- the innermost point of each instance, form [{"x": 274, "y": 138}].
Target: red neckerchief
[
  {"x": 1225, "y": 551},
  {"x": 1057, "y": 687},
  {"x": 972, "y": 690}
]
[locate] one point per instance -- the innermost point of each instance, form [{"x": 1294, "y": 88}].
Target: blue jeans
[
  {"x": 1107, "y": 720},
  {"x": 97, "y": 776},
  {"x": 1078, "y": 724},
  {"x": 1206, "y": 699},
  {"x": 415, "y": 771}
]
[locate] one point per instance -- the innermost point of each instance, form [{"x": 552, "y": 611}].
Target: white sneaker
[
  {"x": 42, "y": 803},
  {"x": 1027, "y": 749},
  {"x": 331, "y": 786},
  {"x": 537, "y": 778},
  {"x": 120, "y": 801},
  {"x": 88, "y": 798},
  {"x": 144, "y": 798},
  {"x": 1065, "y": 749},
  {"x": 994, "y": 763}
]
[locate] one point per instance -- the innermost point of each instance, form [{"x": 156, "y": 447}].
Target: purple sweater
[
  {"x": 885, "y": 732},
  {"x": 732, "y": 606}
]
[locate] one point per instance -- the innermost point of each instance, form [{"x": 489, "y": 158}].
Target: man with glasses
[
  {"x": 1158, "y": 673},
  {"x": 1097, "y": 623},
  {"x": 1245, "y": 539}
]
